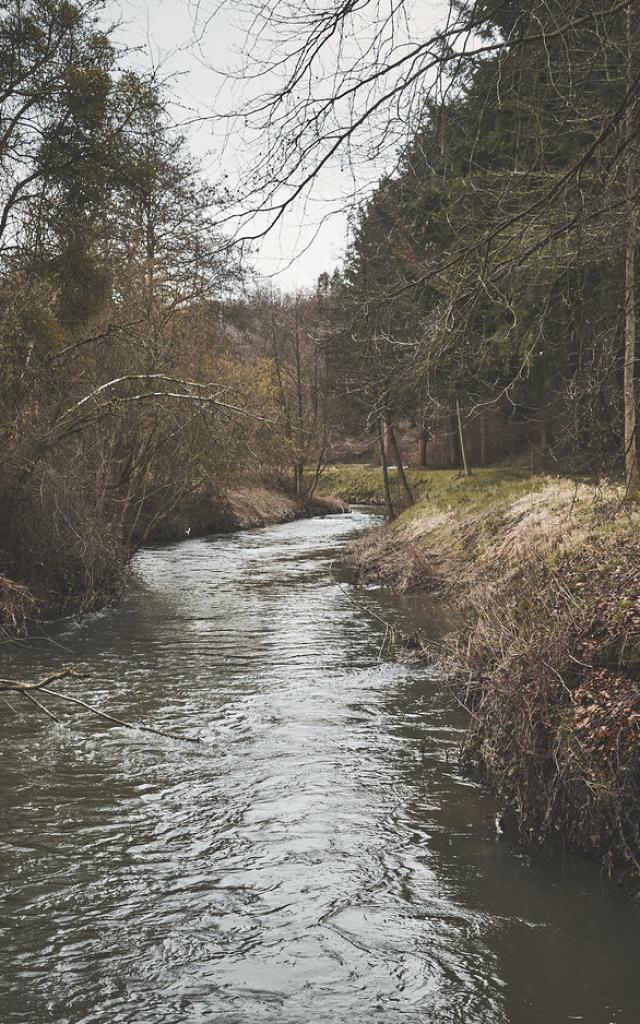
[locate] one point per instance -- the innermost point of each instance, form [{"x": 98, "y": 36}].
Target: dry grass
[
  {"x": 548, "y": 586},
  {"x": 404, "y": 559},
  {"x": 550, "y": 668},
  {"x": 449, "y": 547},
  {"x": 259, "y": 506}
]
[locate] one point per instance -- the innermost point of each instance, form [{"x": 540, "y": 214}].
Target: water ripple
[{"x": 318, "y": 858}]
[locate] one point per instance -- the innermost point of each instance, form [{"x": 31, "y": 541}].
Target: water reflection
[{"x": 319, "y": 858}]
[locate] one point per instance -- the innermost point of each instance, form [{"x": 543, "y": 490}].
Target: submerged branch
[{"x": 43, "y": 686}]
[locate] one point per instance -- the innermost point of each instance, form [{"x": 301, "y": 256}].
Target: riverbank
[
  {"x": 241, "y": 508},
  {"x": 545, "y": 574}
]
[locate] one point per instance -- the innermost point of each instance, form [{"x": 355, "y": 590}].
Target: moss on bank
[
  {"x": 441, "y": 488},
  {"x": 546, "y": 575}
]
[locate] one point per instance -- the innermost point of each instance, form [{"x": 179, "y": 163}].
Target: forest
[{"x": 484, "y": 312}]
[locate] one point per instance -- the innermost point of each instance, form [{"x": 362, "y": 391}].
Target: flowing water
[{"x": 318, "y": 858}]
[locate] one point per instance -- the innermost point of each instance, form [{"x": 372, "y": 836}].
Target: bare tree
[{"x": 348, "y": 81}]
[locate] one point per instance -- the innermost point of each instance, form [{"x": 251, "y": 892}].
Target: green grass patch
[{"x": 435, "y": 489}]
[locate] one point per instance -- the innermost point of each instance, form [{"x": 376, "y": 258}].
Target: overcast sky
[{"x": 311, "y": 238}]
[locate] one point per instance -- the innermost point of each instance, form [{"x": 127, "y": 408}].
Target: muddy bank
[{"x": 545, "y": 574}]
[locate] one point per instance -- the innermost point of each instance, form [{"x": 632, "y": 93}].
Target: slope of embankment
[
  {"x": 244, "y": 507},
  {"x": 545, "y": 572},
  {"x": 85, "y": 567}
]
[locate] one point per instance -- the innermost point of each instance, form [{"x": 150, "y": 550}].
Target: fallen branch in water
[{"x": 44, "y": 686}]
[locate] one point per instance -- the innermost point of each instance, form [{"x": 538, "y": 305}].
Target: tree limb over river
[{"x": 29, "y": 690}]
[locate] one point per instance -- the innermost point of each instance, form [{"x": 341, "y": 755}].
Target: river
[{"x": 319, "y": 857}]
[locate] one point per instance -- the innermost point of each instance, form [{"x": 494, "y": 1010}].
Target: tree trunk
[
  {"x": 544, "y": 440},
  {"x": 397, "y": 454},
  {"x": 632, "y": 474},
  {"x": 454, "y": 442},
  {"x": 423, "y": 440},
  {"x": 483, "y": 439},
  {"x": 299, "y": 471},
  {"x": 298, "y": 477},
  {"x": 463, "y": 453},
  {"x": 318, "y": 470},
  {"x": 386, "y": 441},
  {"x": 385, "y": 471}
]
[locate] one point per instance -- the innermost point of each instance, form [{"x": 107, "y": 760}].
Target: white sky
[{"x": 311, "y": 238}]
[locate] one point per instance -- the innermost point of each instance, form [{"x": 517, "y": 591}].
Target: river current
[{"x": 319, "y": 857}]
